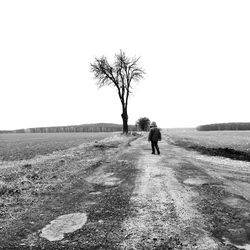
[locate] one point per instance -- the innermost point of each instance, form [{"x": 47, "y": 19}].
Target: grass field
[
  {"x": 231, "y": 144},
  {"x": 27, "y": 146},
  {"x": 238, "y": 140}
]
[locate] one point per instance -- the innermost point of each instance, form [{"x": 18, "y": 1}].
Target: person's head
[{"x": 153, "y": 124}]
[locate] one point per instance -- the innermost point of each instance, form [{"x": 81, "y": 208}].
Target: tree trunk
[{"x": 125, "y": 121}]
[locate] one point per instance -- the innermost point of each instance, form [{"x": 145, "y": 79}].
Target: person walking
[{"x": 154, "y": 136}]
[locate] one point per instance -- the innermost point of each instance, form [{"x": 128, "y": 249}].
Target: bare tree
[{"x": 120, "y": 74}]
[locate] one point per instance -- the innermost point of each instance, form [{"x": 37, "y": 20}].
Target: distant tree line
[
  {"x": 100, "y": 127},
  {"x": 225, "y": 126}
]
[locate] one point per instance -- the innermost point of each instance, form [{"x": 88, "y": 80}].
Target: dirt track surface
[{"x": 135, "y": 200}]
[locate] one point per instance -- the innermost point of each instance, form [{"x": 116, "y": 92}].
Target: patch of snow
[
  {"x": 67, "y": 223},
  {"x": 195, "y": 181}
]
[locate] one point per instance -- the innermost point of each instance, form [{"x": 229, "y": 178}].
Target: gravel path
[{"x": 165, "y": 212}]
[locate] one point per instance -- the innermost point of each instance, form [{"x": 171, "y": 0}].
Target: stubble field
[
  {"x": 26, "y": 146},
  {"x": 231, "y": 144}
]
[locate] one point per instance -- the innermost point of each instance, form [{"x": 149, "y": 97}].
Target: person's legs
[
  {"x": 153, "y": 147},
  {"x": 157, "y": 148}
]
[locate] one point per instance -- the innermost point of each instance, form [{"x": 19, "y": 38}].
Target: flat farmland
[
  {"x": 28, "y": 145},
  {"x": 238, "y": 140},
  {"x": 232, "y": 144}
]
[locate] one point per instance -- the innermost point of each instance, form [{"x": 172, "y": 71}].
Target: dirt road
[
  {"x": 185, "y": 200},
  {"x": 129, "y": 199}
]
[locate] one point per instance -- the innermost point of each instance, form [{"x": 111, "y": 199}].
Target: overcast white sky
[{"x": 196, "y": 55}]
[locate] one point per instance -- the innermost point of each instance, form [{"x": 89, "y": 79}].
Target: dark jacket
[{"x": 154, "y": 134}]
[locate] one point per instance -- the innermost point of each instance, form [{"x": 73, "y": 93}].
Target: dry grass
[
  {"x": 28, "y": 183},
  {"x": 6, "y": 189}
]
